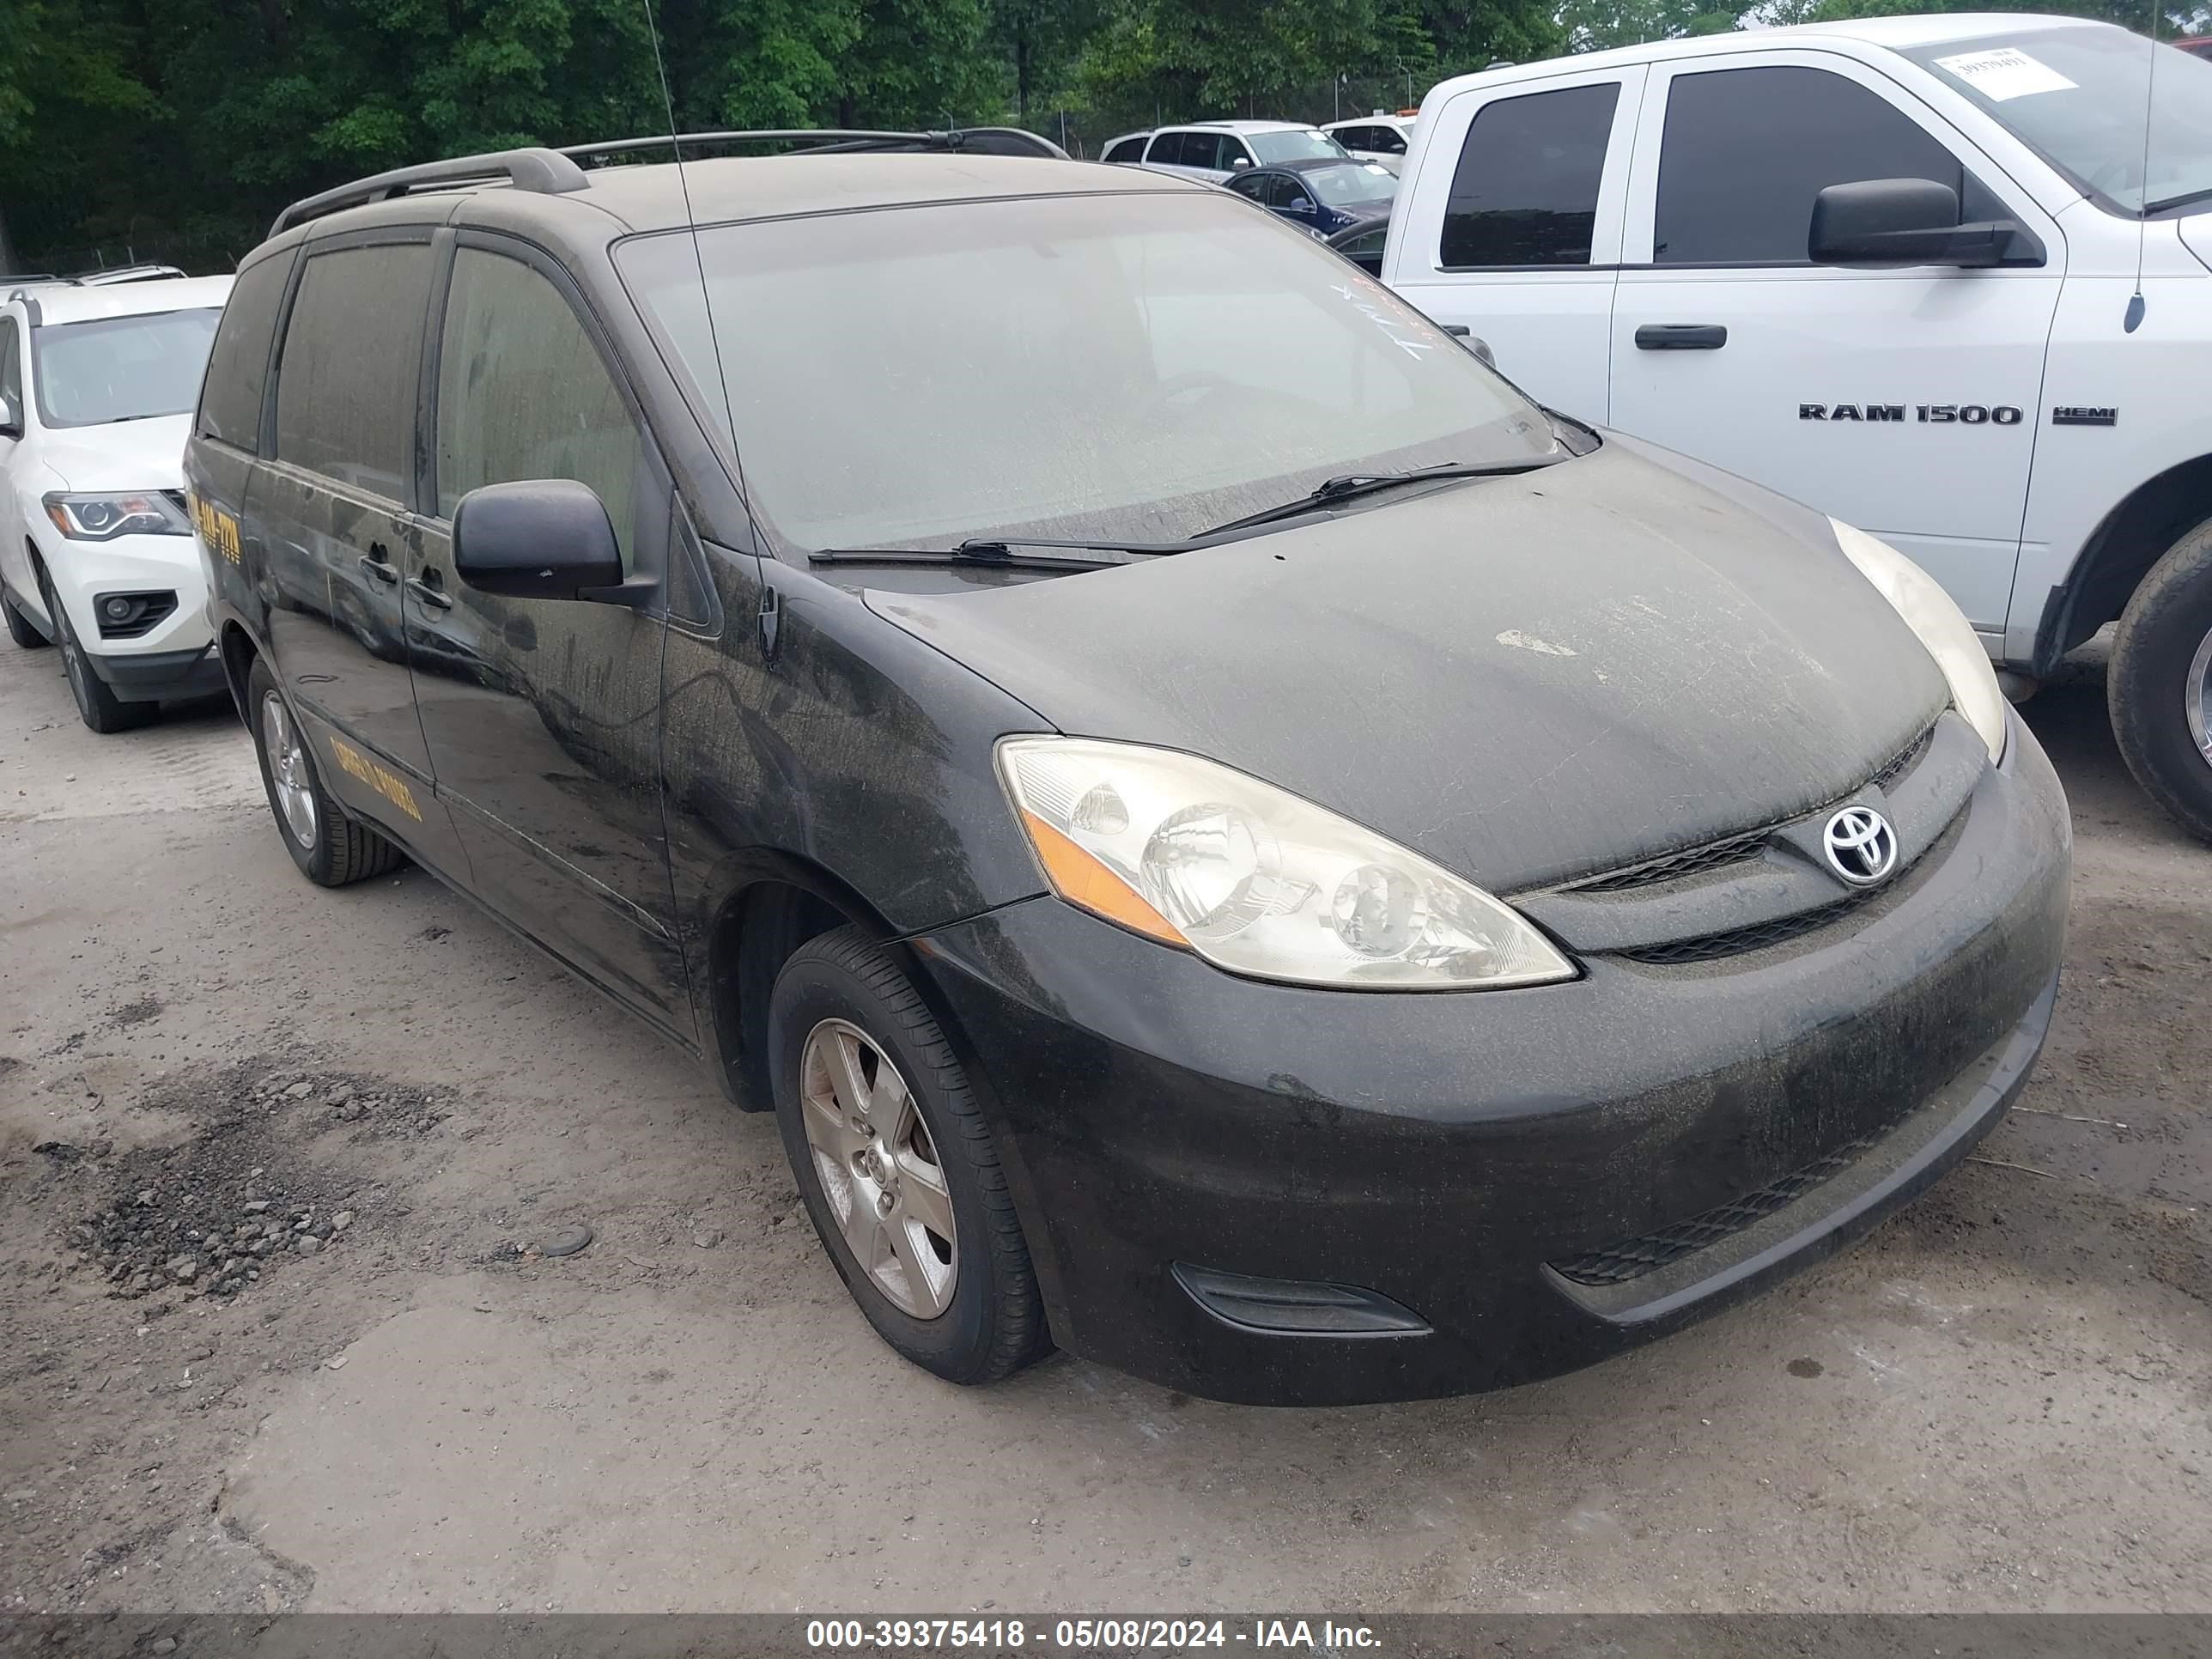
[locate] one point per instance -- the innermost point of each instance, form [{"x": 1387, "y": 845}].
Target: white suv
[
  {"x": 1218, "y": 150},
  {"x": 1912, "y": 271},
  {"x": 1380, "y": 139},
  {"x": 97, "y": 386}
]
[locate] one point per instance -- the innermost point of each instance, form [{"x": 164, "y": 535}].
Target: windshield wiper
[
  {"x": 1352, "y": 485},
  {"x": 2182, "y": 200},
  {"x": 1007, "y": 552}
]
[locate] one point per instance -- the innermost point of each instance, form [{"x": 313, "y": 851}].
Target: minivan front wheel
[
  {"x": 897, "y": 1169},
  {"x": 330, "y": 847},
  {"x": 2159, "y": 683}
]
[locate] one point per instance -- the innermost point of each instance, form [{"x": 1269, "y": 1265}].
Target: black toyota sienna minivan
[{"x": 1233, "y": 843}]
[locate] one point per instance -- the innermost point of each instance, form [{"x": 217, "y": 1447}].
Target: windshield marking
[
  {"x": 1389, "y": 325},
  {"x": 2002, "y": 73}
]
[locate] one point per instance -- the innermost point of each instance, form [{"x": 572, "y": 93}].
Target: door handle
[
  {"x": 374, "y": 563},
  {"x": 430, "y": 594},
  {"x": 1680, "y": 336}
]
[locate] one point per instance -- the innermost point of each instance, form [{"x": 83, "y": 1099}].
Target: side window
[
  {"x": 11, "y": 367},
  {"x": 1254, "y": 185},
  {"x": 238, "y": 367},
  {"x": 1167, "y": 149},
  {"x": 1388, "y": 140},
  {"x": 524, "y": 393},
  {"x": 1525, "y": 191},
  {"x": 1129, "y": 150},
  {"x": 1232, "y": 152},
  {"x": 1724, "y": 202},
  {"x": 1352, "y": 138},
  {"x": 1295, "y": 196},
  {"x": 346, "y": 381}
]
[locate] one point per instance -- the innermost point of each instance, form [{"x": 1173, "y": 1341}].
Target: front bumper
[
  {"x": 1452, "y": 1153},
  {"x": 82, "y": 572},
  {"x": 161, "y": 676}
]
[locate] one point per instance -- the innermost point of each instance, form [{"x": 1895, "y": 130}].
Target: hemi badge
[{"x": 2077, "y": 415}]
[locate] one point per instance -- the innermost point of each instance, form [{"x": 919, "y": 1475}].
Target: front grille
[
  {"x": 1693, "y": 860},
  {"x": 1757, "y": 937},
  {"x": 1729, "y": 849},
  {"x": 1632, "y": 1258}
]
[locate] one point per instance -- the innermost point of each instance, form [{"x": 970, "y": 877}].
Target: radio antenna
[
  {"x": 691, "y": 219},
  {"x": 2136, "y": 305}
]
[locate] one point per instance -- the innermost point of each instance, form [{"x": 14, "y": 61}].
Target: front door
[
  {"x": 332, "y": 508},
  {"x": 1513, "y": 229},
  {"x": 543, "y": 716},
  {"x": 1902, "y": 401}
]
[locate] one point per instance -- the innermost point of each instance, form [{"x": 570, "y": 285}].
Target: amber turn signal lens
[{"x": 1082, "y": 879}]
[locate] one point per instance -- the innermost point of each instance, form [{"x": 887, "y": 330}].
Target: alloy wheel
[
  {"x": 288, "y": 769},
  {"x": 879, "y": 1169},
  {"x": 2196, "y": 698}
]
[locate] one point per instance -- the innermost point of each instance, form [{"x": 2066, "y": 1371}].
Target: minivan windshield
[
  {"x": 2076, "y": 97},
  {"x": 122, "y": 368},
  {"x": 1138, "y": 366},
  {"x": 1302, "y": 145}
]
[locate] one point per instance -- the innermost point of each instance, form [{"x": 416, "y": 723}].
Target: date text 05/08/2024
[{"x": 1108, "y": 1635}]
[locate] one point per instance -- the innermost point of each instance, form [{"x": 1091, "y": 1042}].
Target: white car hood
[{"x": 146, "y": 454}]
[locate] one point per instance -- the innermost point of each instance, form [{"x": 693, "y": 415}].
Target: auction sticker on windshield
[{"x": 2003, "y": 72}]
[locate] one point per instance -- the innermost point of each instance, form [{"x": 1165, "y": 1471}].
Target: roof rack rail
[
  {"x": 544, "y": 172},
  {"x": 817, "y": 141},
  {"x": 112, "y": 275}
]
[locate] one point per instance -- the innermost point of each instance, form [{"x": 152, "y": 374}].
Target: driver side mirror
[
  {"x": 1909, "y": 221},
  {"x": 544, "y": 539},
  {"x": 1238, "y": 163}
]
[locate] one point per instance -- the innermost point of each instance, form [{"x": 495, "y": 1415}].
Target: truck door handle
[
  {"x": 1680, "y": 336},
  {"x": 378, "y": 563},
  {"x": 430, "y": 594}
]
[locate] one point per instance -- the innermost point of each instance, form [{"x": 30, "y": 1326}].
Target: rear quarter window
[
  {"x": 347, "y": 379},
  {"x": 237, "y": 367}
]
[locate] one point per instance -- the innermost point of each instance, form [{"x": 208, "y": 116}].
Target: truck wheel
[
  {"x": 898, "y": 1168},
  {"x": 331, "y": 849},
  {"x": 100, "y": 707},
  {"x": 20, "y": 628},
  {"x": 2159, "y": 684}
]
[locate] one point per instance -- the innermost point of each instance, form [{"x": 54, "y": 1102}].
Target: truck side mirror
[{"x": 1909, "y": 221}]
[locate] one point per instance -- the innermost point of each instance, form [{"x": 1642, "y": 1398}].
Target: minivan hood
[
  {"x": 148, "y": 454},
  {"x": 1526, "y": 679}
]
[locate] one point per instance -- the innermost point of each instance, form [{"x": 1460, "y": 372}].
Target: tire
[
  {"x": 2161, "y": 671},
  {"x": 100, "y": 707},
  {"x": 331, "y": 847},
  {"x": 20, "y": 628},
  {"x": 990, "y": 1320}
]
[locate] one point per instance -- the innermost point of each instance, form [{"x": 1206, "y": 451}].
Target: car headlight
[
  {"x": 1930, "y": 612},
  {"x": 1255, "y": 880},
  {"x": 103, "y": 517}
]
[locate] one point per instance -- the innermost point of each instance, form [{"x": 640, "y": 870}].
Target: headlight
[
  {"x": 1929, "y": 611},
  {"x": 1255, "y": 880},
  {"x": 103, "y": 517}
]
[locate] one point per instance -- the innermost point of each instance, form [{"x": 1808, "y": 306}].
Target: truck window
[
  {"x": 346, "y": 380},
  {"x": 1723, "y": 201},
  {"x": 237, "y": 367},
  {"x": 1525, "y": 192},
  {"x": 1129, "y": 150}
]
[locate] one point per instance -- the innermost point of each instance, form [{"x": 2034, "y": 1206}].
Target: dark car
[
  {"x": 1320, "y": 196},
  {"x": 1362, "y": 241},
  {"x": 1233, "y": 843}
]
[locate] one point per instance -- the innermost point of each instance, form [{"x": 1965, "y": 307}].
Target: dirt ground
[{"x": 1998, "y": 1401}]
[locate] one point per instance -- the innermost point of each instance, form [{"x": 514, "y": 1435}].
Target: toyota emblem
[{"x": 1861, "y": 845}]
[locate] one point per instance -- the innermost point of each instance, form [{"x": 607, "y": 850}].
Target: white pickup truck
[{"x": 1914, "y": 271}]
